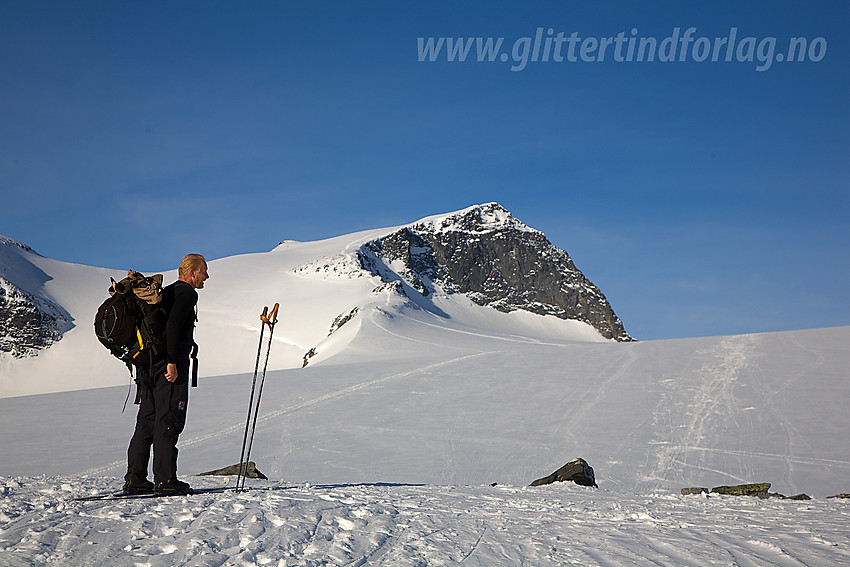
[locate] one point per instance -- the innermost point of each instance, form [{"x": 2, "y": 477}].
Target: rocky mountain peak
[
  {"x": 478, "y": 219},
  {"x": 495, "y": 260}
]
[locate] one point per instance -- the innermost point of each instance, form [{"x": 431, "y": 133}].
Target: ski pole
[
  {"x": 243, "y": 467},
  {"x": 271, "y": 320}
]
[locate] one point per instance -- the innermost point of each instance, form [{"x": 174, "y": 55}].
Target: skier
[{"x": 165, "y": 389}]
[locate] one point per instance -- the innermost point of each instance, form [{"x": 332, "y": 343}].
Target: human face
[{"x": 199, "y": 276}]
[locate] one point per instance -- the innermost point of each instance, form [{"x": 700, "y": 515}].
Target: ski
[
  {"x": 99, "y": 496},
  {"x": 121, "y": 495},
  {"x": 140, "y": 495},
  {"x": 145, "y": 495}
]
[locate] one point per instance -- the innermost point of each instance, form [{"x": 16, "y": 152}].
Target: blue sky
[{"x": 702, "y": 197}]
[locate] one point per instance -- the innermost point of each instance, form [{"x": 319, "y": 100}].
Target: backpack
[{"x": 131, "y": 322}]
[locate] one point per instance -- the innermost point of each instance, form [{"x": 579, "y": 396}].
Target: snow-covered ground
[
  {"x": 408, "y": 524},
  {"x": 414, "y": 432},
  {"x": 388, "y": 450}
]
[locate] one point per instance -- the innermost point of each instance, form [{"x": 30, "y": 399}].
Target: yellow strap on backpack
[{"x": 141, "y": 342}]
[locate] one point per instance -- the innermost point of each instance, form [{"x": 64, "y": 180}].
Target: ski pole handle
[{"x": 270, "y": 318}]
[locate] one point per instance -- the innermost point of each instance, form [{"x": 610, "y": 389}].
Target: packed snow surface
[
  {"x": 385, "y": 455},
  {"x": 408, "y": 524}
]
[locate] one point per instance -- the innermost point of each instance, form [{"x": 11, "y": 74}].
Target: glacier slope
[
  {"x": 412, "y": 400},
  {"x": 388, "y": 450},
  {"x": 317, "y": 284}
]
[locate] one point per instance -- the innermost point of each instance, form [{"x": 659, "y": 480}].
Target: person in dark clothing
[{"x": 164, "y": 389}]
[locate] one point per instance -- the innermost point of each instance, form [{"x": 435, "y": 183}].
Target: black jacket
[{"x": 180, "y": 300}]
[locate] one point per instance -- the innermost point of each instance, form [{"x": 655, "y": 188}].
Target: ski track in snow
[
  {"x": 477, "y": 334},
  {"x": 713, "y": 402},
  {"x": 586, "y": 405},
  {"x": 389, "y": 524},
  {"x": 792, "y": 437},
  {"x": 269, "y": 415},
  {"x": 397, "y": 524}
]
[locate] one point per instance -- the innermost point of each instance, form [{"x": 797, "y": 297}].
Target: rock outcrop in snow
[
  {"x": 495, "y": 260},
  {"x": 576, "y": 470},
  {"x": 31, "y": 322}
]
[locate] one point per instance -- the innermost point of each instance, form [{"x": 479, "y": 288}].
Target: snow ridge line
[{"x": 282, "y": 411}]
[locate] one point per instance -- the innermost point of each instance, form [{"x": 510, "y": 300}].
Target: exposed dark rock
[
  {"x": 393, "y": 286},
  {"x": 342, "y": 320},
  {"x": 494, "y": 259},
  {"x": 743, "y": 489},
  {"x": 250, "y": 471},
  {"x": 27, "y": 326},
  {"x": 797, "y": 497},
  {"x": 842, "y": 495},
  {"x": 29, "y": 320},
  {"x": 759, "y": 490},
  {"x": 577, "y": 471},
  {"x": 695, "y": 490},
  {"x": 308, "y": 355}
]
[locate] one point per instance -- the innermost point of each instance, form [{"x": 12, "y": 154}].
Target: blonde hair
[{"x": 190, "y": 262}]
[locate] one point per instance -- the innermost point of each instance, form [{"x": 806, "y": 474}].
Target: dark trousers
[{"x": 161, "y": 418}]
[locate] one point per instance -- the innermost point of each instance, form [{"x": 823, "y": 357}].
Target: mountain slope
[
  {"x": 486, "y": 254},
  {"x": 523, "y": 285},
  {"x": 31, "y": 318}
]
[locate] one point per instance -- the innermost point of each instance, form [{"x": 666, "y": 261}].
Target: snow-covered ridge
[
  {"x": 6, "y": 241},
  {"x": 482, "y": 253},
  {"x": 477, "y": 219},
  {"x": 486, "y": 254},
  {"x": 317, "y": 284},
  {"x": 343, "y": 265}
]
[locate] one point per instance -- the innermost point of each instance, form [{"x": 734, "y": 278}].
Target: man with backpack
[{"x": 164, "y": 388}]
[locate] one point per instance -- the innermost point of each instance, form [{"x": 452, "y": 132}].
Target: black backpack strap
[
  {"x": 194, "y": 364},
  {"x": 138, "y": 399},
  {"x": 135, "y": 379}
]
